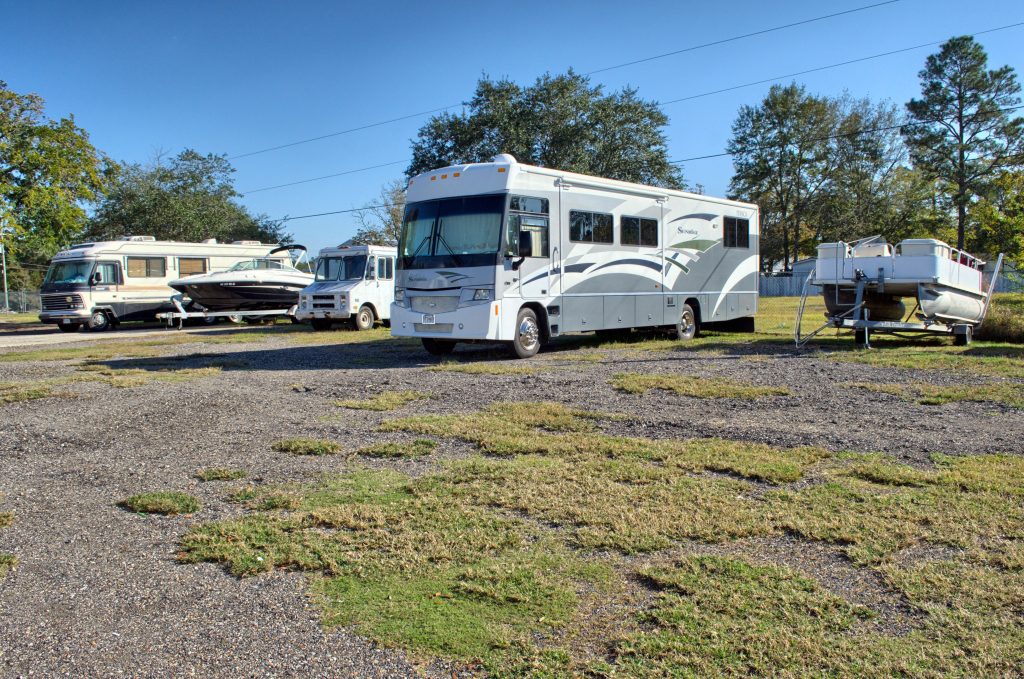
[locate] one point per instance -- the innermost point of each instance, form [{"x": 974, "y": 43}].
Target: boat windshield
[
  {"x": 262, "y": 263},
  {"x": 464, "y": 231},
  {"x": 74, "y": 271},
  {"x": 351, "y": 268}
]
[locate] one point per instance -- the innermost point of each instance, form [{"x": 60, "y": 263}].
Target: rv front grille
[
  {"x": 429, "y": 304},
  {"x": 61, "y": 302},
  {"x": 433, "y": 327}
]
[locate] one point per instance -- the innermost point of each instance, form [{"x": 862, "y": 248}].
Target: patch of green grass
[
  {"x": 404, "y": 567},
  {"x": 6, "y": 519},
  {"x": 387, "y": 400},
  {"x": 301, "y": 446},
  {"x": 692, "y": 386},
  {"x": 221, "y": 474},
  {"x": 552, "y": 429},
  {"x": 17, "y": 392},
  {"x": 417, "y": 448},
  {"x": 993, "y": 360},
  {"x": 482, "y": 368},
  {"x": 491, "y": 559},
  {"x": 1005, "y": 319},
  {"x": 1008, "y": 393},
  {"x": 162, "y": 502},
  {"x": 7, "y": 563}
]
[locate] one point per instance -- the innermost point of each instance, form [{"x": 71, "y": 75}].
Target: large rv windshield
[
  {"x": 463, "y": 231},
  {"x": 351, "y": 268},
  {"x": 63, "y": 273}
]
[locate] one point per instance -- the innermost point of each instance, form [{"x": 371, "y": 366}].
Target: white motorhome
[
  {"x": 100, "y": 284},
  {"x": 507, "y": 252},
  {"x": 355, "y": 284}
]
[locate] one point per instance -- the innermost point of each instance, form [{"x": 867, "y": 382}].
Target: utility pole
[{"x": 3, "y": 260}]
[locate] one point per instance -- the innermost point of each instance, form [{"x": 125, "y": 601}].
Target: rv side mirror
[
  {"x": 525, "y": 244},
  {"x": 96, "y": 279}
]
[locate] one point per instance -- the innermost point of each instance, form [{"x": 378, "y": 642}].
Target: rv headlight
[
  {"x": 400, "y": 296},
  {"x": 481, "y": 294}
]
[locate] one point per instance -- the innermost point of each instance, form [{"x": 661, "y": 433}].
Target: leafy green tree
[
  {"x": 962, "y": 133},
  {"x": 783, "y": 159},
  {"x": 380, "y": 223},
  {"x": 48, "y": 171},
  {"x": 189, "y": 198},
  {"x": 560, "y": 122},
  {"x": 999, "y": 218}
]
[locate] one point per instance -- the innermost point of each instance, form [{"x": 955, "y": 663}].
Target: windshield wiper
[
  {"x": 442, "y": 241},
  {"x": 426, "y": 239}
]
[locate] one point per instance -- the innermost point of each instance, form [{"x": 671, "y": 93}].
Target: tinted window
[
  {"x": 639, "y": 231},
  {"x": 385, "y": 268},
  {"x": 463, "y": 231},
  {"x": 590, "y": 227},
  {"x": 735, "y": 232},
  {"x": 537, "y": 206}
]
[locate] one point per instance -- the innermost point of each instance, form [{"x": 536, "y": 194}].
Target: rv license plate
[{"x": 428, "y": 319}]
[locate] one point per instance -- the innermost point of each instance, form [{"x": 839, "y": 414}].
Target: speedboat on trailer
[
  {"x": 258, "y": 284},
  {"x": 864, "y": 285}
]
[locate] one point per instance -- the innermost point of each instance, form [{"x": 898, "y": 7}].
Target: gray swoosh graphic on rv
[
  {"x": 641, "y": 262},
  {"x": 572, "y": 268},
  {"x": 696, "y": 215}
]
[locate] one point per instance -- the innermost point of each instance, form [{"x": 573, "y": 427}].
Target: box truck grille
[
  {"x": 324, "y": 302},
  {"x": 434, "y": 304},
  {"x": 61, "y": 303}
]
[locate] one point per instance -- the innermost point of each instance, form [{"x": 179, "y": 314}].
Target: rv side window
[
  {"x": 391, "y": 267},
  {"x": 188, "y": 266},
  {"x": 638, "y": 231},
  {"x": 590, "y": 227},
  {"x": 736, "y": 233},
  {"x": 147, "y": 267}
]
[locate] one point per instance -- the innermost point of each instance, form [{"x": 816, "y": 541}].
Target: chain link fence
[{"x": 22, "y": 301}]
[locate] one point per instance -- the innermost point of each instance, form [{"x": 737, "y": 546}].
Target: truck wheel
[
  {"x": 69, "y": 327},
  {"x": 99, "y": 321},
  {"x": 320, "y": 323},
  {"x": 526, "y": 342},
  {"x": 686, "y": 326},
  {"x": 436, "y": 347},
  {"x": 363, "y": 319}
]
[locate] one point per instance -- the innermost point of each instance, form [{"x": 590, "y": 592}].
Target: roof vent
[
  {"x": 146, "y": 239},
  {"x": 246, "y": 242}
]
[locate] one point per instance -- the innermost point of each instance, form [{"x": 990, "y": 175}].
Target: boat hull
[{"x": 241, "y": 295}]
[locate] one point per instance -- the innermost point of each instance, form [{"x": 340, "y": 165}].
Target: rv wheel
[
  {"x": 364, "y": 319},
  {"x": 686, "y": 326},
  {"x": 436, "y": 347},
  {"x": 527, "y": 338},
  {"x": 99, "y": 321}
]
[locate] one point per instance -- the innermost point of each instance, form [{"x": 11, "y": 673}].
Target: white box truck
[{"x": 354, "y": 285}]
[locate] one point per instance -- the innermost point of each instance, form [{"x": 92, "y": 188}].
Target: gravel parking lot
[{"x": 100, "y": 591}]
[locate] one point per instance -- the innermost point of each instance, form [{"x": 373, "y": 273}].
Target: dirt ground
[{"x": 99, "y": 591}]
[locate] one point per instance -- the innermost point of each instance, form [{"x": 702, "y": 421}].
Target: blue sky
[{"x": 234, "y": 77}]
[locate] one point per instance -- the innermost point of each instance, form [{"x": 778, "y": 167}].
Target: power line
[
  {"x": 824, "y": 68},
  {"x": 326, "y": 176},
  {"x": 676, "y": 162},
  {"x": 692, "y": 48},
  {"x": 741, "y": 37},
  {"x": 688, "y": 98}
]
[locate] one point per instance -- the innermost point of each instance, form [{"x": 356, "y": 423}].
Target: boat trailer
[{"x": 180, "y": 314}]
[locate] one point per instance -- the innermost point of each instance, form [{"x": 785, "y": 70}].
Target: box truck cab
[
  {"x": 354, "y": 285},
  {"x": 98, "y": 285}
]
